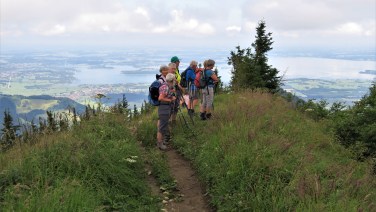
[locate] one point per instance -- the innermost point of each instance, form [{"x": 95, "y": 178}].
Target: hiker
[
  {"x": 178, "y": 92},
  {"x": 163, "y": 70},
  {"x": 181, "y": 90},
  {"x": 166, "y": 98},
  {"x": 208, "y": 91},
  {"x": 176, "y": 60},
  {"x": 192, "y": 90}
]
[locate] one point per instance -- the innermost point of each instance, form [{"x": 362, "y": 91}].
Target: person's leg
[
  {"x": 209, "y": 103},
  {"x": 187, "y": 100},
  {"x": 195, "y": 99},
  {"x": 174, "y": 112},
  {"x": 159, "y": 134},
  {"x": 204, "y": 104},
  {"x": 163, "y": 130}
]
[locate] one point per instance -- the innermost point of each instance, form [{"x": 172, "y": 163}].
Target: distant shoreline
[{"x": 371, "y": 72}]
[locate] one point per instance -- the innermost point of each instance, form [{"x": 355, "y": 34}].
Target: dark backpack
[
  {"x": 200, "y": 80},
  {"x": 154, "y": 92},
  {"x": 183, "y": 80}
]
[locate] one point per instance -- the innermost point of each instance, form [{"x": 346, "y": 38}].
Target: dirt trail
[{"x": 187, "y": 183}]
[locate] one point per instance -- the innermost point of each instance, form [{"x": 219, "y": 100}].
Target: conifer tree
[
  {"x": 42, "y": 125},
  {"x": 135, "y": 111},
  {"x": 251, "y": 70},
  {"x": 74, "y": 116},
  {"x": 51, "y": 121},
  {"x": 8, "y": 132},
  {"x": 124, "y": 102},
  {"x": 142, "y": 109}
]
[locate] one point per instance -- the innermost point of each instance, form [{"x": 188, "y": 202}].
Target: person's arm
[
  {"x": 215, "y": 78},
  {"x": 163, "y": 98},
  {"x": 163, "y": 95}
]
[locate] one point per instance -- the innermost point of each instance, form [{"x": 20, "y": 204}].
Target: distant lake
[
  {"x": 291, "y": 67},
  {"x": 34, "y": 73},
  {"x": 322, "y": 68}
]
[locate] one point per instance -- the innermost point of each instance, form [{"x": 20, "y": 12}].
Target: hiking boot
[
  {"x": 208, "y": 115},
  {"x": 161, "y": 146},
  {"x": 166, "y": 141},
  {"x": 191, "y": 112},
  {"x": 203, "y": 116}
]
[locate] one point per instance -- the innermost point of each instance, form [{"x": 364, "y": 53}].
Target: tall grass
[
  {"x": 257, "y": 153},
  {"x": 96, "y": 166}
]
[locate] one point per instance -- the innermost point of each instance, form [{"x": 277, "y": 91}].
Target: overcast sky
[{"x": 187, "y": 23}]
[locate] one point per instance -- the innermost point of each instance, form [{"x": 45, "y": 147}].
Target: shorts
[
  {"x": 207, "y": 96},
  {"x": 193, "y": 94},
  {"x": 163, "y": 124}
]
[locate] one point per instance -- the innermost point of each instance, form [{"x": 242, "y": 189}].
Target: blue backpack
[{"x": 154, "y": 92}]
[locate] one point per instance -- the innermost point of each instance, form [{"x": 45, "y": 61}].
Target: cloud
[
  {"x": 178, "y": 20},
  {"x": 233, "y": 28},
  {"x": 350, "y": 28}
]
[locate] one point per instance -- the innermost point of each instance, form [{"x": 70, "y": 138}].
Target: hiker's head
[
  {"x": 210, "y": 64},
  {"x": 170, "y": 78},
  {"x": 172, "y": 68},
  {"x": 193, "y": 64},
  {"x": 205, "y": 64},
  {"x": 175, "y": 60},
  {"x": 163, "y": 70}
]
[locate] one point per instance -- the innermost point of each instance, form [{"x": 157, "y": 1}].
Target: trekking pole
[
  {"x": 190, "y": 94},
  {"x": 180, "y": 96},
  {"x": 182, "y": 119}
]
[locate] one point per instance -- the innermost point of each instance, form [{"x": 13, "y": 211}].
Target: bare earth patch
[{"x": 193, "y": 198}]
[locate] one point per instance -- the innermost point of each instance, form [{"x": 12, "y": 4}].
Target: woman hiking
[
  {"x": 208, "y": 91},
  {"x": 166, "y": 99}
]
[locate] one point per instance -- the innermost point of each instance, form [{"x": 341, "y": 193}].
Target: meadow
[{"x": 257, "y": 153}]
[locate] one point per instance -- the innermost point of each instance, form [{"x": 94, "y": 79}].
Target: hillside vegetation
[
  {"x": 98, "y": 165},
  {"x": 258, "y": 153},
  {"x": 25, "y": 109}
]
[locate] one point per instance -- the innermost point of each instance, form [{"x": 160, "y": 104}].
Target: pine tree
[
  {"x": 75, "y": 121},
  {"x": 135, "y": 111},
  {"x": 142, "y": 109},
  {"x": 124, "y": 102},
  {"x": 251, "y": 70},
  {"x": 8, "y": 132},
  {"x": 51, "y": 121},
  {"x": 219, "y": 85}
]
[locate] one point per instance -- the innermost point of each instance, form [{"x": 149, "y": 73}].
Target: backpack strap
[{"x": 164, "y": 81}]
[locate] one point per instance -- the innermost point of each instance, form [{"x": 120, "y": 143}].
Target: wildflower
[{"x": 130, "y": 160}]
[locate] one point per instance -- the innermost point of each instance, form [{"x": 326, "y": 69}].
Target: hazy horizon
[{"x": 96, "y": 24}]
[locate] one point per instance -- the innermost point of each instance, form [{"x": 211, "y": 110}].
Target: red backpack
[{"x": 200, "y": 79}]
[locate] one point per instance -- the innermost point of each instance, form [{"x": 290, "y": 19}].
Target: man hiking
[{"x": 192, "y": 90}]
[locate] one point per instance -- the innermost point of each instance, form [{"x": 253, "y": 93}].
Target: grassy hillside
[
  {"x": 257, "y": 153},
  {"x": 97, "y": 166}
]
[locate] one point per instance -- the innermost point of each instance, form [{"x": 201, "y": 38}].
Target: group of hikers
[{"x": 174, "y": 94}]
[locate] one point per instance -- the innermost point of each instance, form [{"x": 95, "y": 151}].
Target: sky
[{"x": 295, "y": 24}]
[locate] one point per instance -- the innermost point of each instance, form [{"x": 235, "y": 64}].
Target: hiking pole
[
  {"x": 182, "y": 118},
  {"x": 190, "y": 93},
  {"x": 180, "y": 96}
]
